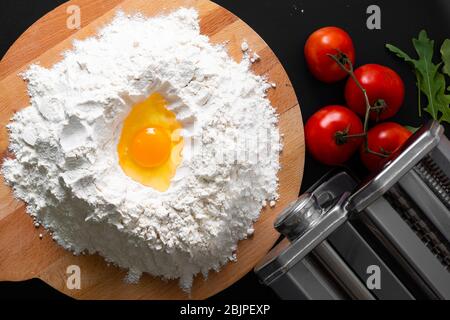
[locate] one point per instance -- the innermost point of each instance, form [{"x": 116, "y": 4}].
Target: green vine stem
[{"x": 345, "y": 64}]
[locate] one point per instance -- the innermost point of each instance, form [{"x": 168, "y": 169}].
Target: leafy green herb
[
  {"x": 445, "y": 52},
  {"x": 412, "y": 129},
  {"x": 430, "y": 80}
]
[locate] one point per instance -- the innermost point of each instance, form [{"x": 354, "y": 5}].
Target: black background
[{"x": 285, "y": 25}]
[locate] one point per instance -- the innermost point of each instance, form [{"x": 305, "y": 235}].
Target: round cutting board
[{"x": 23, "y": 255}]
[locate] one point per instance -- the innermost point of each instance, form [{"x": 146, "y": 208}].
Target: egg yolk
[
  {"x": 150, "y": 147},
  {"x": 150, "y": 144}
]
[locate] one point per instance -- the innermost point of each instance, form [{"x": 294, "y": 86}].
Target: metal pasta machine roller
[{"x": 385, "y": 238}]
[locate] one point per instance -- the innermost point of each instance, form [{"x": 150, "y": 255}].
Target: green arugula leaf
[
  {"x": 430, "y": 80},
  {"x": 412, "y": 129},
  {"x": 445, "y": 52}
]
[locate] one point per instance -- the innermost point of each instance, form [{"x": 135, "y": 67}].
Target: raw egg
[{"x": 150, "y": 143}]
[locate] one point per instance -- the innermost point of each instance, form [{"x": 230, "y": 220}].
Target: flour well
[{"x": 65, "y": 164}]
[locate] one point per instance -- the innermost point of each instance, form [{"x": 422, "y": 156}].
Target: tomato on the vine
[
  {"x": 332, "y": 134},
  {"x": 384, "y": 87},
  {"x": 384, "y": 139},
  {"x": 321, "y": 43}
]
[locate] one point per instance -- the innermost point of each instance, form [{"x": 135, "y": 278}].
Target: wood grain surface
[{"x": 23, "y": 255}]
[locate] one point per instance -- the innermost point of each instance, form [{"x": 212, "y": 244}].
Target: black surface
[{"x": 285, "y": 25}]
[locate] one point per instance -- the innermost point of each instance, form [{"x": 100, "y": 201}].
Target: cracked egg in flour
[{"x": 150, "y": 143}]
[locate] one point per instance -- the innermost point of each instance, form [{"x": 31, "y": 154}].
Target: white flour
[{"x": 66, "y": 165}]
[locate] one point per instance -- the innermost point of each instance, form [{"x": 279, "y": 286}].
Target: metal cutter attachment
[{"x": 385, "y": 238}]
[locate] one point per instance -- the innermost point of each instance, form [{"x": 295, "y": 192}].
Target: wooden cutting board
[{"x": 23, "y": 255}]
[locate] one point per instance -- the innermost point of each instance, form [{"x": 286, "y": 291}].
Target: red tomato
[
  {"x": 382, "y": 84},
  {"x": 384, "y": 138},
  {"x": 324, "y": 131},
  {"x": 328, "y": 40}
]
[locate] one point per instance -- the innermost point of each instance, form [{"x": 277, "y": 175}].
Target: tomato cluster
[{"x": 334, "y": 133}]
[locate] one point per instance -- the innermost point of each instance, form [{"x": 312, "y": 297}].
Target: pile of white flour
[{"x": 65, "y": 164}]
